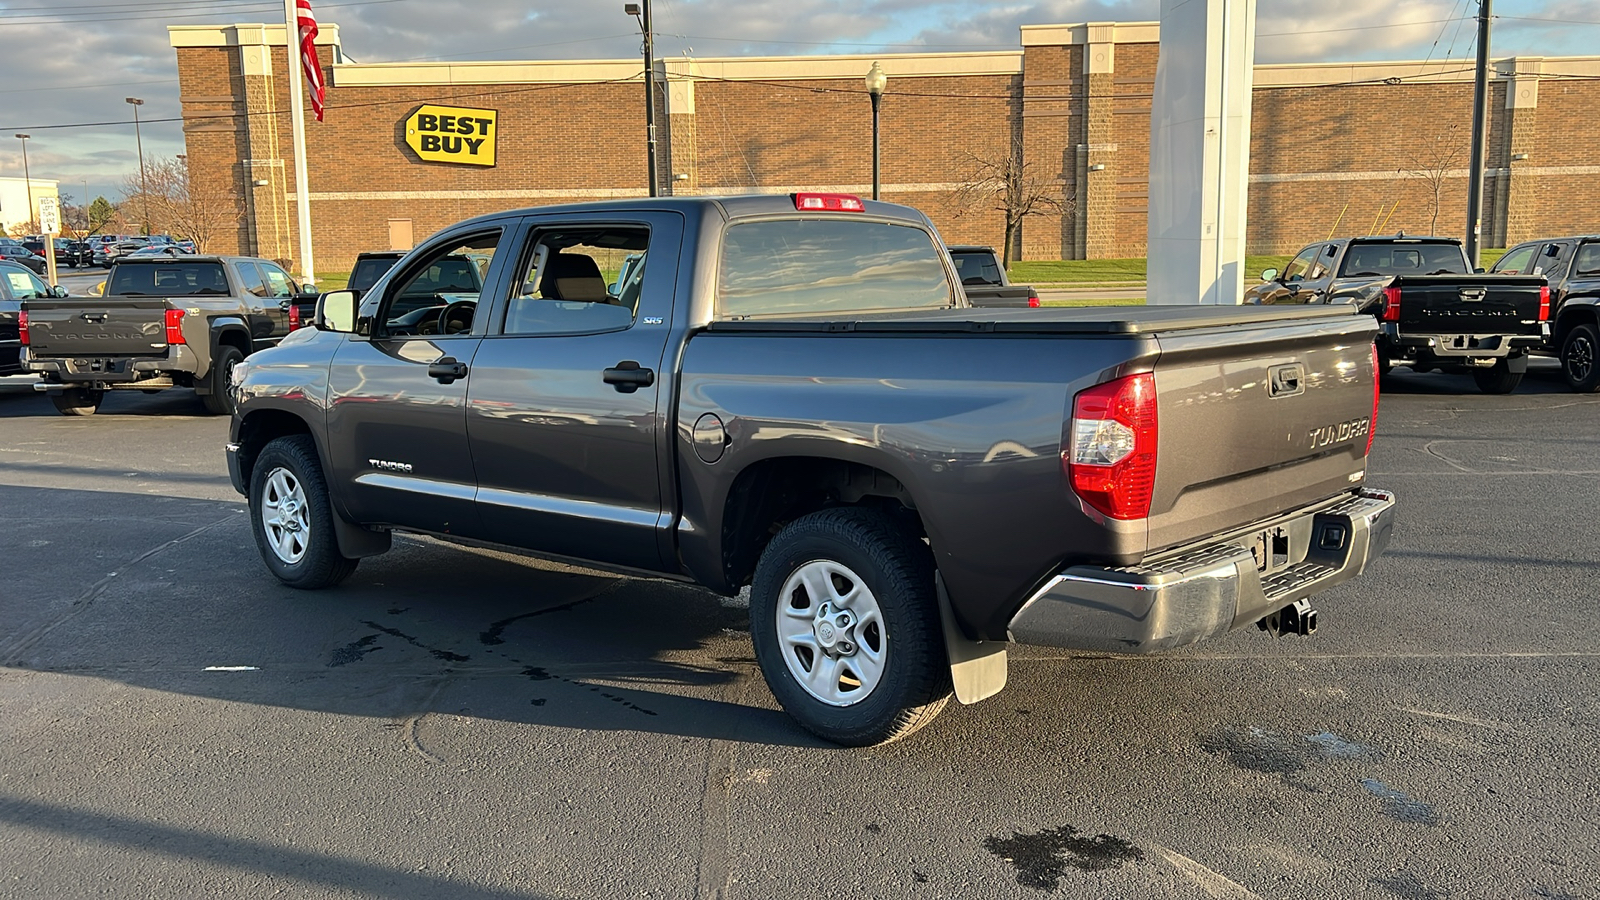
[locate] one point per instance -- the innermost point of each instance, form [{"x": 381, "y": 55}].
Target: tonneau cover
[{"x": 1054, "y": 320}]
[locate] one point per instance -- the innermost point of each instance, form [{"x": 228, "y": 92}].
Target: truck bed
[{"x": 1053, "y": 320}]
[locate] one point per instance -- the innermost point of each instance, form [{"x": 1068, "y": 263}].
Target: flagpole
[{"x": 302, "y": 192}]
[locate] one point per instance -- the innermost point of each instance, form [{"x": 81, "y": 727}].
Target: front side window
[
  {"x": 25, "y": 286},
  {"x": 279, "y": 284},
  {"x": 807, "y": 266},
  {"x": 438, "y": 293},
  {"x": 1297, "y": 267},
  {"x": 1517, "y": 262},
  {"x": 580, "y": 280}
]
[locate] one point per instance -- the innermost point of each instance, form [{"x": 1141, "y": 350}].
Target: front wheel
[
  {"x": 77, "y": 401},
  {"x": 292, "y": 517},
  {"x": 1578, "y": 361},
  {"x": 1497, "y": 380},
  {"x": 220, "y": 401},
  {"x": 846, "y": 628}
]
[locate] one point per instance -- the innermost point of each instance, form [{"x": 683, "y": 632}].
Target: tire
[
  {"x": 77, "y": 401},
  {"x": 879, "y": 578},
  {"x": 292, "y": 518},
  {"x": 1579, "y": 362},
  {"x": 220, "y": 401},
  {"x": 1497, "y": 380}
]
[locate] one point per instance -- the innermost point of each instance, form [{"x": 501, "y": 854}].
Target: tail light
[
  {"x": 1112, "y": 460},
  {"x": 1544, "y": 303},
  {"x": 1391, "y": 304},
  {"x": 1033, "y": 299},
  {"x": 830, "y": 202},
  {"x": 1372, "y": 423},
  {"x": 22, "y": 326},
  {"x": 175, "y": 327},
  {"x": 294, "y": 316}
]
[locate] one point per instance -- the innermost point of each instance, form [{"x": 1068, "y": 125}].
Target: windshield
[
  {"x": 803, "y": 266},
  {"x": 1404, "y": 259},
  {"x": 162, "y": 279}
]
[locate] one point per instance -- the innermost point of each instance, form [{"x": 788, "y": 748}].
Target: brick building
[{"x": 1336, "y": 148}]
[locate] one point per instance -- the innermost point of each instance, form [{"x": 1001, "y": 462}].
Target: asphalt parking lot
[{"x": 461, "y": 723}]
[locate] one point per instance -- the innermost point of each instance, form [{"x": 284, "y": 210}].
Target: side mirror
[
  {"x": 1478, "y": 271},
  {"x": 1269, "y": 275},
  {"x": 336, "y": 311},
  {"x": 58, "y": 291}
]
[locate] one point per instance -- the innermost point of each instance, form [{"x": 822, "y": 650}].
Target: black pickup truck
[
  {"x": 1572, "y": 266},
  {"x": 984, "y": 280},
  {"x": 1435, "y": 312},
  {"x": 791, "y": 392},
  {"x": 163, "y": 322}
]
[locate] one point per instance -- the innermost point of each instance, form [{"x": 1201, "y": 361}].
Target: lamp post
[
  {"x": 876, "y": 82},
  {"x": 144, "y": 189},
  {"x": 633, "y": 9},
  {"x": 26, "y": 178}
]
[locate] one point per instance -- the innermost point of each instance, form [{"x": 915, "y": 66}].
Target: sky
[{"x": 73, "y": 62}]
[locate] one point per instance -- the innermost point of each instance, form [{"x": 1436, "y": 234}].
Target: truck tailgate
[
  {"x": 1470, "y": 304},
  {"x": 115, "y": 328},
  {"x": 1256, "y": 419}
]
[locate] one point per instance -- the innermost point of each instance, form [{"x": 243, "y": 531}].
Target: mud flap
[
  {"x": 356, "y": 542},
  {"x": 977, "y": 668}
]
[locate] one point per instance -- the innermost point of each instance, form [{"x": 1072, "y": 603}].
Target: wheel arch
[{"x": 1571, "y": 316}]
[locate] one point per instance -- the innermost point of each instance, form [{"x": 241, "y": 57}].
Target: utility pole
[
  {"x": 27, "y": 180},
  {"x": 1480, "y": 103},
  {"x": 633, "y": 9}
]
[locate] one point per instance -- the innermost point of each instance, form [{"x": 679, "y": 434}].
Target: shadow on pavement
[{"x": 427, "y": 627}]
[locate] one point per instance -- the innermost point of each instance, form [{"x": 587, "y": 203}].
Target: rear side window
[
  {"x": 162, "y": 279},
  {"x": 801, "y": 266},
  {"x": 1404, "y": 259}
]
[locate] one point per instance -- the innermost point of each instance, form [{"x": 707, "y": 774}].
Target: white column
[{"x": 1200, "y": 152}]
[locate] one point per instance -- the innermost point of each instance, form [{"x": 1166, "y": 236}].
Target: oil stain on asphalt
[
  {"x": 1042, "y": 859},
  {"x": 1399, "y": 805}
]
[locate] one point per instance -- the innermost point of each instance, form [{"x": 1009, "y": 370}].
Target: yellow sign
[{"x": 451, "y": 134}]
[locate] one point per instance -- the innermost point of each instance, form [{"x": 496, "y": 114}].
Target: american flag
[{"x": 306, "y": 22}]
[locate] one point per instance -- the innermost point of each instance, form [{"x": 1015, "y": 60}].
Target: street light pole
[
  {"x": 633, "y": 9},
  {"x": 876, "y": 82},
  {"x": 28, "y": 179},
  {"x": 1480, "y": 102},
  {"x": 144, "y": 188}
]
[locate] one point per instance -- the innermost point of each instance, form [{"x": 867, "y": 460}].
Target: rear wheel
[
  {"x": 77, "y": 401},
  {"x": 1497, "y": 380},
  {"x": 845, "y": 624},
  {"x": 1578, "y": 361},
  {"x": 292, "y": 517},
  {"x": 220, "y": 401}
]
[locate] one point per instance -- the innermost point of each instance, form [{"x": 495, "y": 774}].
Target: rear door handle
[
  {"x": 447, "y": 370},
  {"x": 628, "y": 377}
]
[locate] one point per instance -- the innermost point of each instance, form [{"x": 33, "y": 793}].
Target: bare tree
[
  {"x": 177, "y": 205},
  {"x": 1007, "y": 183},
  {"x": 1435, "y": 162}
]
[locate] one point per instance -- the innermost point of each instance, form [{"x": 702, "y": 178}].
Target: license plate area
[{"x": 1270, "y": 547}]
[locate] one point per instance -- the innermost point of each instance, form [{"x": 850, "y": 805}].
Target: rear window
[
  {"x": 368, "y": 271},
  {"x": 976, "y": 268},
  {"x": 801, "y": 266},
  {"x": 1404, "y": 259},
  {"x": 164, "y": 279}
]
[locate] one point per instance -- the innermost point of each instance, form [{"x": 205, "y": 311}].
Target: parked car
[
  {"x": 1435, "y": 312},
  {"x": 165, "y": 250},
  {"x": 1572, "y": 267},
  {"x": 984, "y": 280},
  {"x": 16, "y": 285},
  {"x": 102, "y": 247},
  {"x": 164, "y": 321},
  {"x": 17, "y": 253},
  {"x": 793, "y": 393}
]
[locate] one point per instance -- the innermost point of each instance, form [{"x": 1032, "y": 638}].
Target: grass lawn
[{"x": 1097, "y": 271}]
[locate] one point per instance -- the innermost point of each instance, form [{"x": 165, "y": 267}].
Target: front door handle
[
  {"x": 447, "y": 369},
  {"x": 628, "y": 377}
]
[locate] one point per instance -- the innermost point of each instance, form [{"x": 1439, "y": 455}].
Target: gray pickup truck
[
  {"x": 1436, "y": 313},
  {"x": 790, "y": 392},
  {"x": 984, "y": 280},
  {"x": 163, "y": 322}
]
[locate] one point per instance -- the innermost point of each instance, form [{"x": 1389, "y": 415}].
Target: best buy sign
[{"x": 452, "y": 134}]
